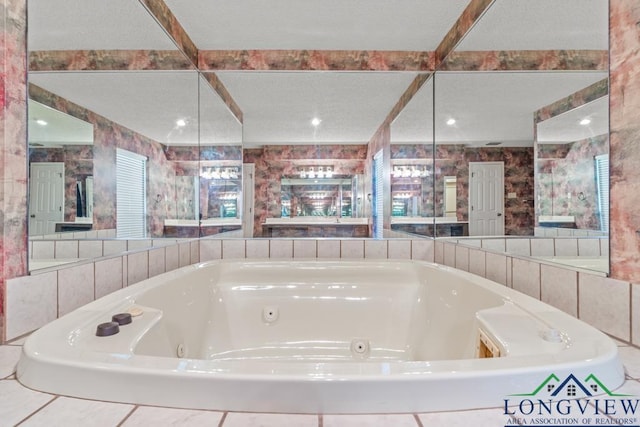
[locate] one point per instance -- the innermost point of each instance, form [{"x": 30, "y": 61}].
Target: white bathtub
[{"x": 315, "y": 337}]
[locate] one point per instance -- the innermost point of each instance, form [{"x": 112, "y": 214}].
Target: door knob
[
  {"x": 32, "y": 215},
  {"x": 499, "y": 214}
]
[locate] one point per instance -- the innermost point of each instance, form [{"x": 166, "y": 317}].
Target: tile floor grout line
[
  {"x": 224, "y": 417},
  {"x": 37, "y": 410},
  {"x": 126, "y": 417}
]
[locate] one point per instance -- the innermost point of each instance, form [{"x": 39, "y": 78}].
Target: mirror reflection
[
  {"x": 457, "y": 160},
  {"x": 572, "y": 167},
  {"x": 61, "y": 171},
  {"x": 412, "y": 192}
]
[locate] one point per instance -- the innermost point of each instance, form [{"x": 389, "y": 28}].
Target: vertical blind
[
  {"x": 602, "y": 184},
  {"x": 131, "y": 190},
  {"x": 378, "y": 197}
]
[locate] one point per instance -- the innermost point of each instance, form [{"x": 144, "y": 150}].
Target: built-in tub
[{"x": 315, "y": 337}]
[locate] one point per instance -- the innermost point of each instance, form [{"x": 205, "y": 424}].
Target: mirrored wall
[
  {"x": 126, "y": 140},
  {"x": 483, "y": 148}
]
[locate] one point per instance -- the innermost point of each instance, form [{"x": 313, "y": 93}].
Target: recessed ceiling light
[
  {"x": 181, "y": 122},
  {"x": 585, "y": 122},
  {"x": 316, "y": 121},
  {"x": 41, "y": 122},
  {"x": 451, "y": 122}
]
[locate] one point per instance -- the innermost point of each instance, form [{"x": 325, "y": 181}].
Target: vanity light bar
[
  {"x": 220, "y": 173},
  {"x": 410, "y": 172},
  {"x": 313, "y": 172}
]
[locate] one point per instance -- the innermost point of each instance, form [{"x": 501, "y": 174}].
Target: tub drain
[{"x": 360, "y": 348}]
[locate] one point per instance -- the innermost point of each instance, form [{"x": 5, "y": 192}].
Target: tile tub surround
[
  {"x": 33, "y": 301},
  {"x": 610, "y": 305},
  {"x": 40, "y": 298},
  {"x": 19, "y": 405}
]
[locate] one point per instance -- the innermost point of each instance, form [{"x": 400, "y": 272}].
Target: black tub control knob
[
  {"x": 107, "y": 329},
  {"x": 122, "y": 318}
]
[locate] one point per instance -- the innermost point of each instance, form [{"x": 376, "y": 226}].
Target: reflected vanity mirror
[{"x": 61, "y": 171}]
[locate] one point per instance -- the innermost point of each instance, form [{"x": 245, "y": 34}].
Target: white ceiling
[
  {"x": 93, "y": 24},
  {"x": 541, "y": 25},
  {"x": 317, "y": 24},
  {"x": 278, "y": 106}
]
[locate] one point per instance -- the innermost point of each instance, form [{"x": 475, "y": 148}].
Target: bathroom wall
[
  {"x": 13, "y": 147},
  {"x": 566, "y": 183},
  {"x": 276, "y": 161},
  {"x": 624, "y": 101},
  {"x": 107, "y": 137}
]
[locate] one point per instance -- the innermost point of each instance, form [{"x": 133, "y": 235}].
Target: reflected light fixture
[
  {"x": 42, "y": 122},
  {"x": 451, "y": 122},
  {"x": 315, "y": 122},
  {"x": 585, "y": 121},
  {"x": 181, "y": 123}
]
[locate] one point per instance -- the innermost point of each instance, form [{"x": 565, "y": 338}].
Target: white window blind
[
  {"x": 131, "y": 190},
  {"x": 602, "y": 184},
  {"x": 378, "y": 196}
]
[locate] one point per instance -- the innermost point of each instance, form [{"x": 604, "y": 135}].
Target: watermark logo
[{"x": 569, "y": 401}]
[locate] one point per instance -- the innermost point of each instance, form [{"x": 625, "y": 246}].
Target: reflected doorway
[
  {"x": 486, "y": 198},
  {"x": 46, "y": 199}
]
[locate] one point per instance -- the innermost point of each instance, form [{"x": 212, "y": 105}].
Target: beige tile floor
[{"x": 20, "y": 406}]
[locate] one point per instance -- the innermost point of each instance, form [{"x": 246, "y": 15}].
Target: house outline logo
[{"x": 554, "y": 387}]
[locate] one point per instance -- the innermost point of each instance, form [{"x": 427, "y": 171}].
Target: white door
[
  {"x": 46, "y": 197},
  {"x": 248, "y": 185},
  {"x": 486, "y": 198}
]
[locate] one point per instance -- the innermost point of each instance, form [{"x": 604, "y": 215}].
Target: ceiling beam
[
  {"x": 108, "y": 60},
  {"x": 408, "y": 94},
  {"x": 217, "y": 85},
  {"x": 474, "y": 10},
  {"x": 575, "y": 100},
  {"x": 315, "y": 60},
  {"x": 290, "y": 60},
  {"x": 527, "y": 60},
  {"x": 167, "y": 20}
]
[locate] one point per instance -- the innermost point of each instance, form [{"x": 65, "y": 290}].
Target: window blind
[
  {"x": 378, "y": 196},
  {"x": 131, "y": 190},
  {"x": 602, "y": 184}
]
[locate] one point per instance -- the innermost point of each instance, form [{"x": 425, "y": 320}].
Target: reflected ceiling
[
  {"x": 278, "y": 107},
  {"x": 569, "y": 127}
]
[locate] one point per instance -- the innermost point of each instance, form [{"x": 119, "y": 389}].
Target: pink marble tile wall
[
  {"x": 13, "y": 121},
  {"x": 108, "y": 136},
  {"x": 566, "y": 180},
  {"x": 624, "y": 104},
  {"x": 276, "y": 161}
]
